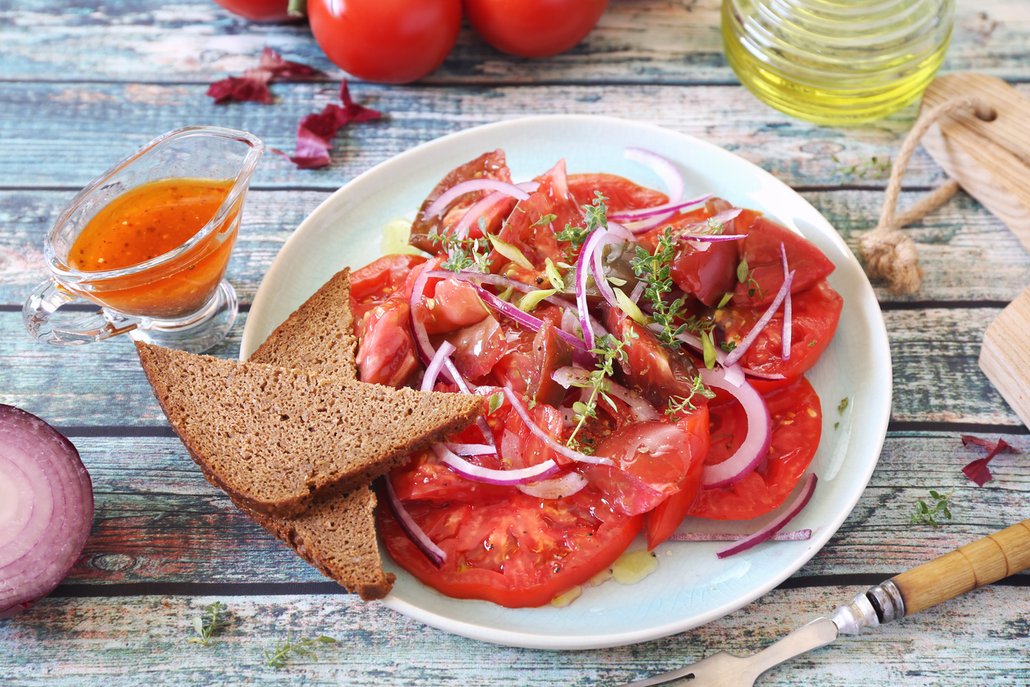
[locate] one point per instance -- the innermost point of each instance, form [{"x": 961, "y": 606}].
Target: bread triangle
[
  {"x": 279, "y": 439},
  {"x": 337, "y": 536}
]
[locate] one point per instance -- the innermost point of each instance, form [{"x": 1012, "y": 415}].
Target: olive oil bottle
[{"x": 836, "y": 62}]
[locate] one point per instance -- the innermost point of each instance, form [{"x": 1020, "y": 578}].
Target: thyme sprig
[
  {"x": 209, "y": 623},
  {"x": 278, "y": 656},
  {"x": 463, "y": 254},
  {"x": 595, "y": 216},
  {"x": 655, "y": 269},
  {"x": 681, "y": 405},
  {"x": 609, "y": 351},
  {"x": 927, "y": 514}
]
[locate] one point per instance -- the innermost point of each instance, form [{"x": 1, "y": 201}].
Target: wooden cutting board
[{"x": 990, "y": 158}]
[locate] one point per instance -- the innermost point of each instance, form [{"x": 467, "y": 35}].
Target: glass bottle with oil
[{"x": 836, "y": 62}]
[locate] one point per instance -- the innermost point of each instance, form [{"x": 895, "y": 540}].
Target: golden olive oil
[{"x": 836, "y": 62}]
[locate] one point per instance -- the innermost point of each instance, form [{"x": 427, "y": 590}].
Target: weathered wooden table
[{"x": 84, "y": 86}]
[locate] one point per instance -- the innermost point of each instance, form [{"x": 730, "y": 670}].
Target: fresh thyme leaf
[
  {"x": 595, "y": 216},
  {"x": 656, "y": 271},
  {"x": 303, "y": 648},
  {"x": 494, "y": 402},
  {"x": 679, "y": 405},
  {"x": 742, "y": 270},
  {"x": 724, "y": 301},
  {"x": 609, "y": 351},
  {"x": 462, "y": 254},
  {"x": 572, "y": 234},
  {"x": 209, "y": 623},
  {"x": 927, "y": 514}
]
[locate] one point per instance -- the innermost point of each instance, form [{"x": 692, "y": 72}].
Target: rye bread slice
[
  {"x": 279, "y": 439},
  {"x": 337, "y": 536},
  {"x": 318, "y": 337}
]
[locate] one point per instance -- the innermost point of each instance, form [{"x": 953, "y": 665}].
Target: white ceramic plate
[{"x": 691, "y": 586}]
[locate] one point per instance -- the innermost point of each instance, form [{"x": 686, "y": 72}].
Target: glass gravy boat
[{"x": 178, "y": 298}]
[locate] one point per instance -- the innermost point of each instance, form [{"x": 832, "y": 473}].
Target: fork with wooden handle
[{"x": 987, "y": 560}]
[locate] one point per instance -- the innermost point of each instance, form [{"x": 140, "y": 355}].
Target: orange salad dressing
[{"x": 146, "y": 222}]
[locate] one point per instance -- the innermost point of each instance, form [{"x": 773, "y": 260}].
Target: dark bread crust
[{"x": 326, "y": 436}]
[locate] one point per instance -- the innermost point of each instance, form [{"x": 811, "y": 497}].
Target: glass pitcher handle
[{"x": 48, "y": 298}]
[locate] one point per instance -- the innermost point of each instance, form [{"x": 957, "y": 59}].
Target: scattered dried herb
[
  {"x": 303, "y": 648},
  {"x": 253, "y": 85},
  {"x": 927, "y": 514},
  {"x": 209, "y": 623},
  {"x": 316, "y": 131},
  {"x": 977, "y": 470}
]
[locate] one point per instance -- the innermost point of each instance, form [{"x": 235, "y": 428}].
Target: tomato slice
[
  {"x": 761, "y": 249},
  {"x": 478, "y": 347},
  {"x": 386, "y": 350},
  {"x": 374, "y": 283},
  {"x": 814, "y": 319},
  {"x": 549, "y": 353},
  {"x": 666, "y": 517},
  {"x": 797, "y": 424},
  {"x": 620, "y": 193},
  {"x": 519, "y": 551},
  {"x": 491, "y": 165},
  {"x": 657, "y": 372}
]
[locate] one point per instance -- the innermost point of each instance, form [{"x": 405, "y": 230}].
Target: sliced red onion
[
  {"x": 597, "y": 269},
  {"x": 442, "y": 355},
  {"x": 548, "y": 439},
  {"x": 471, "y": 449},
  {"x": 483, "y": 206},
  {"x": 433, "y": 552},
  {"x": 712, "y": 238},
  {"x": 664, "y": 168},
  {"x": 556, "y": 487},
  {"x": 738, "y": 352},
  {"x": 734, "y": 373},
  {"x": 583, "y": 271},
  {"x": 46, "y": 509},
  {"x": 527, "y": 320},
  {"x": 638, "y": 405},
  {"x": 638, "y": 291},
  {"x": 788, "y": 310},
  {"x": 437, "y": 207},
  {"x": 756, "y": 442},
  {"x": 790, "y": 535},
  {"x": 478, "y": 473},
  {"x": 422, "y": 343},
  {"x": 664, "y": 209},
  {"x": 794, "y": 507}
]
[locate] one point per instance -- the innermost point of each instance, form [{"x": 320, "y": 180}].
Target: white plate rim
[{"x": 868, "y": 311}]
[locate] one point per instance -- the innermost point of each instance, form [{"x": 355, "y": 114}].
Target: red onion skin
[
  {"x": 51, "y": 465},
  {"x": 767, "y": 532}
]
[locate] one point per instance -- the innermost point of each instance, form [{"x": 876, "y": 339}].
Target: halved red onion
[
  {"x": 433, "y": 552},
  {"x": 478, "y": 473},
  {"x": 756, "y": 442},
  {"x": 738, "y": 352},
  {"x": 792, "y": 508},
  {"x": 46, "y": 509},
  {"x": 558, "y": 448},
  {"x": 791, "y": 535},
  {"x": 441, "y": 356},
  {"x": 486, "y": 204},
  {"x": 664, "y": 209},
  {"x": 574, "y": 376},
  {"x": 437, "y": 207},
  {"x": 555, "y": 487},
  {"x": 788, "y": 310},
  {"x": 471, "y": 449}
]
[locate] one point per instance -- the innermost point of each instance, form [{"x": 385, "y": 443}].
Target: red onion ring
[
  {"x": 794, "y": 507},
  {"x": 441, "y": 356},
  {"x": 756, "y": 442},
  {"x": 548, "y": 439},
  {"x": 437, "y": 207},
  {"x": 478, "y": 473},
  {"x": 46, "y": 511},
  {"x": 574, "y": 376},
  {"x": 556, "y": 487},
  {"x": 422, "y": 343},
  {"x": 471, "y": 449},
  {"x": 486, "y": 204},
  {"x": 792, "y": 535},
  {"x": 529, "y": 321},
  {"x": 665, "y": 208},
  {"x": 664, "y": 168},
  {"x": 738, "y": 352},
  {"x": 433, "y": 552},
  {"x": 788, "y": 309}
]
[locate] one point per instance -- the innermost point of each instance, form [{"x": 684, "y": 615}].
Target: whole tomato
[
  {"x": 534, "y": 28},
  {"x": 389, "y": 41},
  {"x": 259, "y": 10}
]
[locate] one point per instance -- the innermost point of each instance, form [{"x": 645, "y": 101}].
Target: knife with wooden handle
[{"x": 987, "y": 560}]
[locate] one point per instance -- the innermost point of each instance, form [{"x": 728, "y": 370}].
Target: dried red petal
[
  {"x": 253, "y": 85},
  {"x": 977, "y": 470},
  {"x": 316, "y": 131}
]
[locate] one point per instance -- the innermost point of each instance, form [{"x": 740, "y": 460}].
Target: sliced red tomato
[
  {"x": 454, "y": 305},
  {"x": 517, "y": 552},
  {"x": 620, "y": 193},
  {"x": 549, "y": 353},
  {"x": 491, "y": 165},
  {"x": 386, "y": 351},
  {"x": 761, "y": 249},
  {"x": 661, "y": 522},
  {"x": 813, "y": 322},
  {"x": 526, "y": 228},
  {"x": 378, "y": 280},
  {"x": 651, "y": 461},
  {"x": 478, "y": 348},
  {"x": 657, "y": 372},
  {"x": 425, "y": 478},
  {"x": 797, "y": 424}
]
